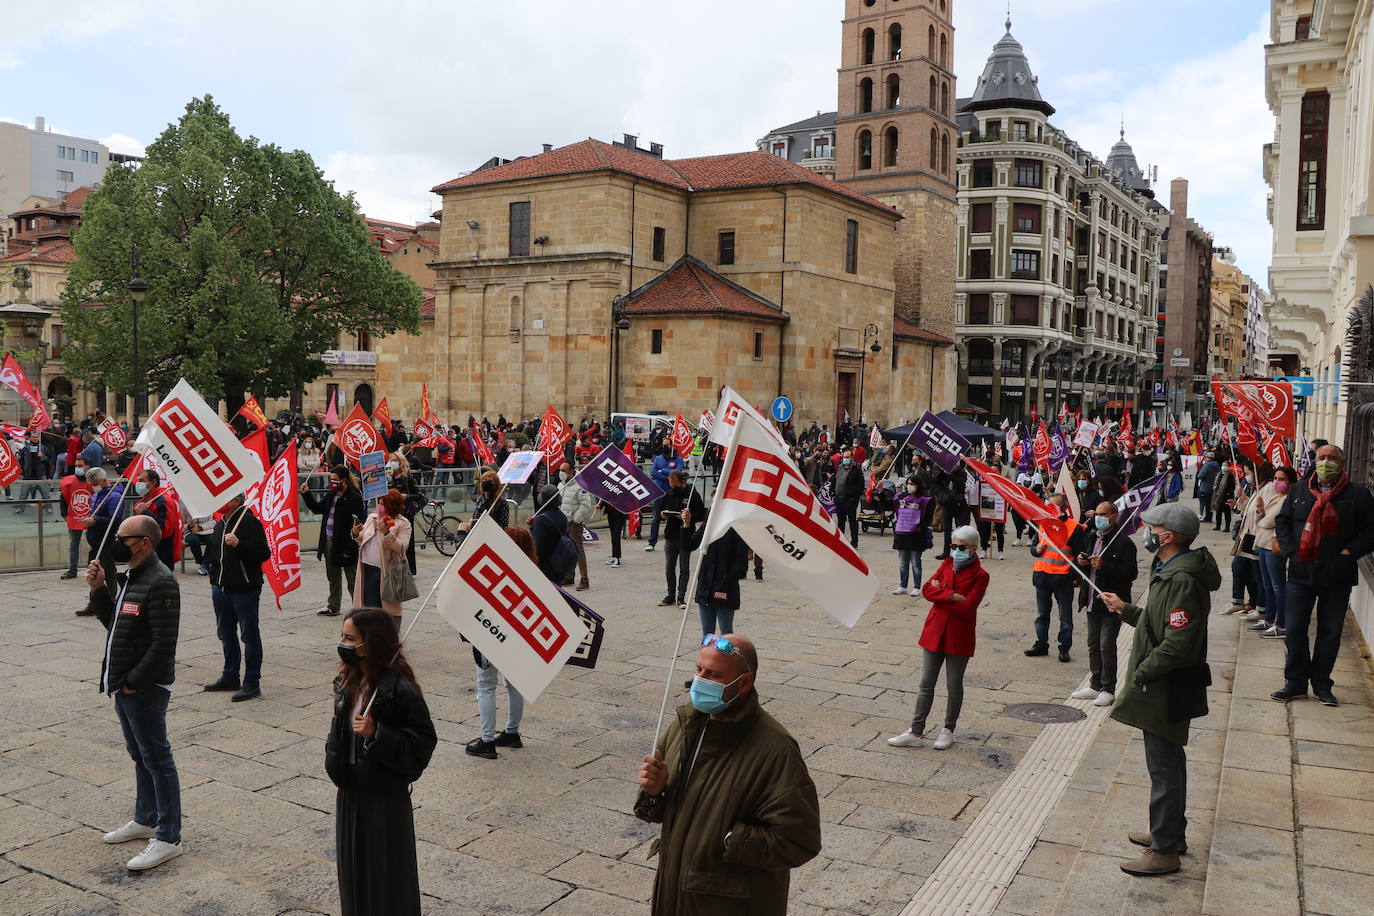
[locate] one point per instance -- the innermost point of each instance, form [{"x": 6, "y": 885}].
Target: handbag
[
  {"x": 1247, "y": 544},
  {"x": 1186, "y": 688},
  {"x": 398, "y": 584}
]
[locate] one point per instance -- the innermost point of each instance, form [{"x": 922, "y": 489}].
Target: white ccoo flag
[
  {"x": 763, "y": 497},
  {"x": 731, "y": 407},
  {"x": 501, "y": 602},
  {"x": 197, "y": 451}
]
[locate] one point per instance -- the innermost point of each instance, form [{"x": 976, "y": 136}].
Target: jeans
[
  {"x": 676, "y": 559},
  {"x": 1204, "y": 501},
  {"x": 716, "y": 619},
  {"x": 236, "y": 614},
  {"x": 1168, "y": 767},
  {"x": 909, "y": 561},
  {"x": 32, "y": 487},
  {"x": 575, "y": 532},
  {"x": 197, "y": 544},
  {"x": 1245, "y": 580},
  {"x": 1103, "y": 628},
  {"x": 1314, "y": 665},
  {"x": 486, "y": 702},
  {"x": 1273, "y": 579},
  {"x": 143, "y": 716},
  {"x": 954, "y": 666},
  {"x": 74, "y": 539},
  {"x": 337, "y": 576},
  {"x": 372, "y": 586},
  {"x": 653, "y": 527},
  {"x": 1059, "y": 590},
  {"x": 847, "y": 512}
]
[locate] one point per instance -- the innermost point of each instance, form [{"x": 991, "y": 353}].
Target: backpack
[{"x": 564, "y": 559}]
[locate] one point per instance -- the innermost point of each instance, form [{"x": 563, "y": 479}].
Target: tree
[{"x": 254, "y": 263}]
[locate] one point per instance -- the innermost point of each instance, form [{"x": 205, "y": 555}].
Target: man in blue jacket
[{"x": 665, "y": 463}]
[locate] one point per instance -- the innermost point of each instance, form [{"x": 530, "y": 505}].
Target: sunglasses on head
[{"x": 723, "y": 646}]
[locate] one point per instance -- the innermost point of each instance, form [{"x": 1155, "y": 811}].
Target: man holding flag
[
  {"x": 1053, "y": 579},
  {"x": 237, "y": 551}
]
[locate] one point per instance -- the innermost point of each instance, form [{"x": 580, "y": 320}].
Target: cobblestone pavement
[{"x": 547, "y": 828}]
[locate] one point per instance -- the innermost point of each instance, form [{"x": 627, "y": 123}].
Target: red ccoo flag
[
  {"x": 553, "y": 435},
  {"x": 681, "y": 436},
  {"x": 356, "y": 436}
]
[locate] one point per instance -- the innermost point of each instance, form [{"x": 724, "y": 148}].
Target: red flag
[
  {"x": 252, "y": 411},
  {"x": 1025, "y": 503},
  {"x": 1270, "y": 404},
  {"x": 681, "y": 436},
  {"x": 1042, "y": 446},
  {"x": 1245, "y": 440},
  {"x": 256, "y": 442},
  {"x": 553, "y": 435},
  {"x": 356, "y": 436},
  {"x": 1035, "y": 415},
  {"x": 9, "y": 465},
  {"x": 479, "y": 448},
  {"x": 13, "y": 376},
  {"x": 275, "y": 501},
  {"x": 1124, "y": 436},
  {"x": 424, "y": 400},
  {"x": 382, "y": 415},
  {"x": 1274, "y": 450},
  {"x": 113, "y": 435}
]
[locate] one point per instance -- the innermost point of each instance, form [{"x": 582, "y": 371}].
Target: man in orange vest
[{"x": 1054, "y": 581}]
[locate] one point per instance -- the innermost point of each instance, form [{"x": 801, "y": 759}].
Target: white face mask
[
  {"x": 911, "y": 488},
  {"x": 392, "y": 467}
]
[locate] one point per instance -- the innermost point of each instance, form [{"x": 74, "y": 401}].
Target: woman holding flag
[{"x": 383, "y": 577}]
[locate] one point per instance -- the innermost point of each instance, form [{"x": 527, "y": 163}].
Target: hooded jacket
[
  {"x": 748, "y": 780},
  {"x": 1177, "y": 608}
]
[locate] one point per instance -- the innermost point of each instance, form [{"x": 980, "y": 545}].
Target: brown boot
[
  {"x": 1144, "y": 839},
  {"x": 1152, "y": 863},
  {"x": 86, "y": 611},
  {"x": 583, "y": 585}
]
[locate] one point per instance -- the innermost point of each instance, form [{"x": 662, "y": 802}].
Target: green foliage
[{"x": 254, "y": 264}]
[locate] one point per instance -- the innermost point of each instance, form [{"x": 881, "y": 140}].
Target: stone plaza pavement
[{"x": 1281, "y": 800}]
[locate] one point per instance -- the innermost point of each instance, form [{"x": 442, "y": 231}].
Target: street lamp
[
  {"x": 871, "y": 332},
  {"x": 138, "y": 289},
  {"x": 618, "y": 323}
]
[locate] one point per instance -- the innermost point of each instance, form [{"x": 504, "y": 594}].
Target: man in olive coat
[
  {"x": 1170, "y": 635},
  {"x": 729, "y": 786}
]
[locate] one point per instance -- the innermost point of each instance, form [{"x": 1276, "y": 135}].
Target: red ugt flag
[
  {"x": 9, "y": 465},
  {"x": 1042, "y": 446},
  {"x": 13, "y": 376},
  {"x": 553, "y": 435},
  {"x": 356, "y": 436},
  {"x": 681, "y": 436}
]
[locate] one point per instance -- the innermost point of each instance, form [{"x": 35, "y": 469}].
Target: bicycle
[{"x": 443, "y": 531}]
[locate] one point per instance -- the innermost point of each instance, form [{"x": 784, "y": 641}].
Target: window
[
  {"x": 1019, "y": 130},
  {"x": 1112, "y": 255},
  {"x": 983, "y": 174},
  {"x": 992, "y": 130},
  {"x": 894, "y": 42},
  {"x": 519, "y": 245},
  {"x": 779, "y": 148},
  {"x": 660, "y": 242},
  {"x": 62, "y": 152},
  {"x": 1026, "y": 217},
  {"x": 978, "y": 308},
  {"x": 933, "y": 92},
  {"x": 364, "y": 341},
  {"x": 944, "y": 51},
  {"x": 980, "y": 264},
  {"x": 894, "y": 90},
  {"x": 1056, "y": 222},
  {"x": 820, "y": 147},
  {"x": 865, "y": 150},
  {"x": 1025, "y": 310},
  {"x": 930, "y": 43},
  {"x": 758, "y": 345},
  {"x": 934, "y": 149},
  {"x": 58, "y": 342},
  {"x": 725, "y": 247},
  {"x": 1054, "y": 268},
  {"x": 1102, "y": 245},
  {"x": 944, "y": 99},
  {"x": 656, "y": 340},
  {"x": 865, "y": 94},
  {"x": 944, "y": 153},
  {"x": 1312, "y": 161},
  {"x": 890, "y": 146},
  {"x": 851, "y": 246},
  {"x": 1025, "y": 264},
  {"x": 1027, "y": 173},
  {"x": 1302, "y": 29},
  {"x": 981, "y": 215},
  {"x": 867, "y": 43},
  {"x": 65, "y": 176}
]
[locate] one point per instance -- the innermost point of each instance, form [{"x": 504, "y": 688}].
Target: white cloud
[
  {"x": 121, "y": 143},
  {"x": 391, "y": 189}
]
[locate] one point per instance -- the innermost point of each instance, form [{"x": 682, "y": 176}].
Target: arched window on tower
[
  {"x": 894, "y": 90},
  {"x": 934, "y": 149},
  {"x": 890, "y": 146},
  {"x": 865, "y": 94},
  {"x": 865, "y": 150},
  {"x": 930, "y": 43},
  {"x": 932, "y": 93},
  {"x": 944, "y": 51},
  {"x": 867, "y": 43},
  {"x": 894, "y": 42},
  {"x": 944, "y": 98},
  {"x": 944, "y": 153}
]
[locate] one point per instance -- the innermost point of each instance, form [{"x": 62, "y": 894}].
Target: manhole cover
[{"x": 1044, "y": 712}]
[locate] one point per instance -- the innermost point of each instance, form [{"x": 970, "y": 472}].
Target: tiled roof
[
  {"x": 427, "y": 305},
  {"x": 706, "y": 173},
  {"x": 690, "y": 286},
  {"x": 51, "y": 253},
  {"x": 911, "y": 331}
]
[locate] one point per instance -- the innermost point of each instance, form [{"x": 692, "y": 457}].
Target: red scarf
[{"x": 1321, "y": 521}]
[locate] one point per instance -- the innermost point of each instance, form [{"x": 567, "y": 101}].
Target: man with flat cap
[{"x": 1165, "y": 682}]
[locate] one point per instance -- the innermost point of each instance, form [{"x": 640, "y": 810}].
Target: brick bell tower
[{"x": 895, "y": 139}]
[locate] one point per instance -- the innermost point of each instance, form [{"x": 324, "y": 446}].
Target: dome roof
[
  {"x": 1007, "y": 81},
  {"x": 1121, "y": 162}
]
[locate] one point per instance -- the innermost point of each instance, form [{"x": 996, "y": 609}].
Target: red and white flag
[
  {"x": 707, "y": 420},
  {"x": 553, "y": 435},
  {"x": 113, "y": 435},
  {"x": 499, "y": 600},
  {"x": 357, "y": 435},
  {"x": 1042, "y": 446},
  {"x": 730, "y": 407},
  {"x": 875, "y": 439},
  {"x": 681, "y": 437},
  {"x": 764, "y": 498},
  {"x": 382, "y": 415},
  {"x": 277, "y": 505},
  {"x": 1270, "y": 404},
  {"x": 14, "y": 378},
  {"x": 1019, "y": 499},
  {"x": 1274, "y": 449},
  {"x": 197, "y": 451},
  {"x": 9, "y": 465}
]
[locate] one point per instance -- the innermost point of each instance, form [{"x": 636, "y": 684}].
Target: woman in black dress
[{"x": 373, "y": 759}]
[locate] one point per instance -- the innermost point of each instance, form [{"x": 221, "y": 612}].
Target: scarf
[{"x": 1321, "y": 521}]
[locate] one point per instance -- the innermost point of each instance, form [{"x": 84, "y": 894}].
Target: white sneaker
[
  {"x": 1251, "y": 615},
  {"x": 130, "y": 831},
  {"x": 155, "y": 853},
  {"x": 1274, "y": 632},
  {"x": 913, "y": 591},
  {"x": 1016, "y": 543},
  {"x": 1084, "y": 693},
  {"x": 1105, "y": 698},
  {"x": 999, "y": 555},
  {"x": 944, "y": 739},
  {"x": 615, "y": 562},
  {"x": 906, "y": 739},
  {"x": 899, "y": 589}
]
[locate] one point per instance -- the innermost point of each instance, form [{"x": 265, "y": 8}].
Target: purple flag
[
  {"x": 826, "y": 497},
  {"x": 1136, "y": 500},
  {"x": 612, "y": 476},
  {"x": 1304, "y": 464},
  {"x": 939, "y": 441},
  {"x": 1059, "y": 449},
  {"x": 585, "y": 655},
  {"x": 1027, "y": 460}
]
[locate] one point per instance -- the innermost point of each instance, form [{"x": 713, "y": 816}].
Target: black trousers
[
  {"x": 1312, "y": 662},
  {"x": 676, "y": 558},
  {"x": 615, "y": 519},
  {"x": 1168, "y": 766},
  {"x": 847, "y": 513}
]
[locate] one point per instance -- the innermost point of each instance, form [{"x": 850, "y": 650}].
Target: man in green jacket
[
  {"x": 729, "y": 786},
  {"x": 1171, "y": 634}
]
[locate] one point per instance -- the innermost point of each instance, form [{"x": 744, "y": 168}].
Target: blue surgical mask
[
  {"x": 141, "y": 487},
  {"x": 709, "y": 696},
  {"x": 848, "y": 462},
  {"x": 960, "y": 557},
  {"x": 1082, "y": 485},
  {"x": 1102, "y": 522}
]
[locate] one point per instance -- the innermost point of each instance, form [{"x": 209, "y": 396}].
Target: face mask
[
  {"x": 1063, "y": 514},
  {"x": 960, "y": 557},
  {"x": 1102, "y": 522},
  {"x": 80, "y": 472},
  {"x": 309, "y": 444},
  {"x": 336, "y": 485},
  {"x": 349, "y": 653},
  {"x": 911, "y": 488},
  {"x": 1328, "y": 470},
  {"x": 848, "y": 461},
  {"x": 120, "y": 552},
  {"x": 1082, "y": 485},
  {"x": 708, "y": 696},
  {"x": 1151, "y": 541},
  {"x": 392, "y": 467},
  {"x": 1280, "y": 486},
  {"x": 141, "y": 487}
]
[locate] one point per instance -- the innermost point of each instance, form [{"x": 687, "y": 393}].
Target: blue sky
[{"x": 392, "y": 98}]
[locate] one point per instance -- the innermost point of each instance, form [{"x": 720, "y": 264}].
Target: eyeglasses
[
  {"x": 129, "y": 537},
  {"x": 723, "y": 646}
]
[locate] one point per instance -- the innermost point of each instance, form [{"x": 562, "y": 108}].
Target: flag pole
[{"x": 1067, "y": 559}]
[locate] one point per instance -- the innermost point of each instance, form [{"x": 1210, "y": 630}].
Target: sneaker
[
  {"x": 1105, "y": 698},
  {"x": 907, "y": 738},
  {"x": 667, "y": 601},
  {"x": 508, "y": 739},
  {"x": 221, "y": 684},
  {"x": 69, "y": 574},
  {"x": 899, "y": 589},
  {"x": 999, "y": 555},
  {"x": 682, "y": 605},
  {"x": 1274, "y": 632},
  {"x": 1288, "y": 692},
  {"x": 648, "y": 548},
  {"x": 1326, "y": 697},
  {"x": 155, "y": 853},
  {"x": 1251, "y": 615},
  {"x": 1016, "y": 542},
  {"x": 615, "y": 562},
  {"x": 1235, "y": 607},
  {"x": 479, "y": 748},
  {"x": 1084, "y": 693},
  {"x": 1259, "y": 626},
  {"x": 913, "y": 591},
  {"x": 611, "y": 561},
  {"x": 944, "y": 739},
  {"x": 130, "y": 831}
]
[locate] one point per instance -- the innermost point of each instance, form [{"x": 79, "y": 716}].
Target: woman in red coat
[{"x": 954, "y": 593}]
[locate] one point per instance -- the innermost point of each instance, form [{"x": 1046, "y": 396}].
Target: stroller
[{"x": 879, "y": 508}]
